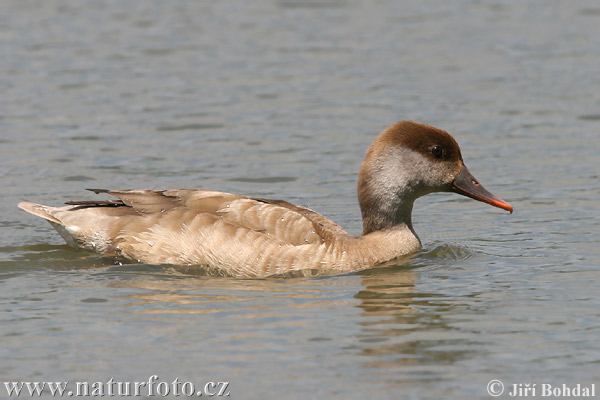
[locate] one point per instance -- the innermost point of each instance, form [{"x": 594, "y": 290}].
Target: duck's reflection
[
  {"x": 397, "y": 326},
  {"x": 387, "y": 301},
  {"x": 405, "y": 328},
  {"x": 387, "y": 291},
  {"x": 193, "y": 290}
]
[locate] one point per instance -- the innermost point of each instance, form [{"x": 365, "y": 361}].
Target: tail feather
[
  {"x": 48, "y": 213},
  {"x": 39, "y": 210}
]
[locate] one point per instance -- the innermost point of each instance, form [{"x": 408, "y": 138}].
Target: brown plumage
[{"x": 253, "y": 237}]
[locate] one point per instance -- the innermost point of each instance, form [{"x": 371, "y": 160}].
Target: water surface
[{"x": 281, "y": 99}]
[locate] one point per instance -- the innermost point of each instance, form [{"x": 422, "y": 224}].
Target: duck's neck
[
  {"x": 386, "y": 202},
  {"x": 388, "y": 185},
  {"x": 382, "y": 213}
]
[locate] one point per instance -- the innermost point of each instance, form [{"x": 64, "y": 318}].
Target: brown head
[{"x": 406, "y": 161}]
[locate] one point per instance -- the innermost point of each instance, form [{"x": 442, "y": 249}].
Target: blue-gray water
[{"x": 280, "y": 99}]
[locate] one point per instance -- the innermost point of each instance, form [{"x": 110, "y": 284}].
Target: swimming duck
[{"x": 255, "y": 237}]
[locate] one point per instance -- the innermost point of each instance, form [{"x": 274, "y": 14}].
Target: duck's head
[{"x": 406, "y": 161}]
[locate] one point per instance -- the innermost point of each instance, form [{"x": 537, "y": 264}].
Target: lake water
[{"x": 281, "y": 99}]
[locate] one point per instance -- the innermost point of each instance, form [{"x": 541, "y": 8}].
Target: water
[{"x": 280, "y": 99}]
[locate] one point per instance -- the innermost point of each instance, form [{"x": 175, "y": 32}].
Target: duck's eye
[{"x": 437, "y": 151}]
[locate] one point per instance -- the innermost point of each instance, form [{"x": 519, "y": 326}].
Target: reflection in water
[
  {"x": 404, "y": 329},
  {"x": 172, "y": 291},
  {"x": 388, "y": 291},
  {"x": 399, "y": 329},
  {"x": 395, "y": 329},
  {"x": 387, "y": 301}
]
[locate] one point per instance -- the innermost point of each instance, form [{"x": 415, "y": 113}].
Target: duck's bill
[{"x": 467, "y": 185}]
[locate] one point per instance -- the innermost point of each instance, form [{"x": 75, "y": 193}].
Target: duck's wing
[
  {"x": 279, "y": 219},
  {"x": 139, "y": 210},
  {"x": 284, "y": 221}
]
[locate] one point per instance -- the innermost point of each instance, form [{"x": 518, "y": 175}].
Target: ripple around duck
[
  {"x": 448, "y": 252},
  {"x": 51, "y": 257}
]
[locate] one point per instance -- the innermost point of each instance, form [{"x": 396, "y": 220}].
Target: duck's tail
[
  {"x": 49, "y": 214},
  {"x": 40, "y": 210}
]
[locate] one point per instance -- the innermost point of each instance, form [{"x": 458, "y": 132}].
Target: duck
[{"x": 246, "y": 236}]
